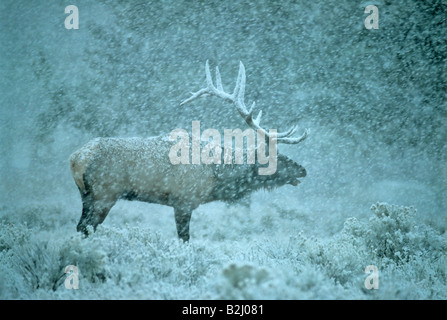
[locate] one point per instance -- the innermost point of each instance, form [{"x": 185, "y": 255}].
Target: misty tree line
[{"x": 310, "y": 61}]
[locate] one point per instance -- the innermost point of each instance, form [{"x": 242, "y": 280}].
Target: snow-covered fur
[{"x": 108, "y": 169}]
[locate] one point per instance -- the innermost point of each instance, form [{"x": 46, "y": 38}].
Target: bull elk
[{"x": 108, "y": 169}]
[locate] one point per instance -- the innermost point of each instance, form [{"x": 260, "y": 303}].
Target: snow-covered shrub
[
  {"x": 243, "y": 281},
  {"x": 338, "y": 257},
  {"x": 39, "y": 261},
  {"x": 393, "y": 236},
  {"x": 36, "y": 215},
  {"x": 11, "y": 235},
  {"x": 39, "y": 265},
  {"x": 410, "y": 256},
  {"x": 42, "y": 263},
  {"x": 283, "y": 280},
  {"x": 124, "y": 262},
  {"x": 407, "y": 255},
  {"x": 135, "y": 254},
  {"x": 11, "y": 286}
]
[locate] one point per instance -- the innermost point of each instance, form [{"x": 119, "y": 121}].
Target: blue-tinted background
[{"x": 374, "y": 100}]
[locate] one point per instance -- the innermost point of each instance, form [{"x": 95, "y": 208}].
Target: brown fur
[{"x": 107, "y": 169}]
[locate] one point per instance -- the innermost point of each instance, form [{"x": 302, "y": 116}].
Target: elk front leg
[{"x": 182, "y": 219}]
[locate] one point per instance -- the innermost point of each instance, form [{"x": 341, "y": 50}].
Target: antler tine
[
  {"x": 195, "y": 96},
  {"x": 294, "y": 140},
  {"x": 210, "y": 88},
  {"x": 287, "y": 133},
  {"x": 257, "y": 121},
  {"x": 250, "y": 112},
  {"x": 209, "y": 80},
  {"x": 240, "y": 77},
  {"x": 241, "y": 85},
  {"x": 218, "y": 80},
  {"x": 237, "y": 98}
]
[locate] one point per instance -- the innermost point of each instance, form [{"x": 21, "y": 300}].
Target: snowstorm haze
[{"x": 374, "y": 100}]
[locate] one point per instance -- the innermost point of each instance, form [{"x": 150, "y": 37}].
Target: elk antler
[{"x": 237, "y": 98}]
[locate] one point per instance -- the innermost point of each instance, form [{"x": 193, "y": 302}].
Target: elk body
[{"x": 108, "y": 169}]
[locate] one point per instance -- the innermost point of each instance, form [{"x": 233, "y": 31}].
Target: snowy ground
[
  {"x": 265, "y": 252},
  {"x": 376, "y": 188}
]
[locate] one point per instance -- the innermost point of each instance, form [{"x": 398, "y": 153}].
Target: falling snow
[{"x": 376, "y": 186}]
